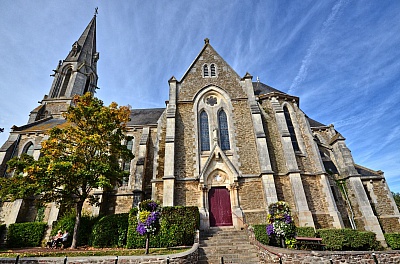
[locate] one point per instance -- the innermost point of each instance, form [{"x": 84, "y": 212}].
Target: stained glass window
[
  {"x": 204, "y": 132},
  {"x": 223, "y": 130}
]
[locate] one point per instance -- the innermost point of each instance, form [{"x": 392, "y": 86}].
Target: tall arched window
[
  {"x": 290, "y": 126},
  {"x": 212, "y": 70},
  {"x": 127, "y": 164},
  {"x": 87, "y": 85},
  {"x": 29, "y": 149},
  {"x": 205, "y": 70},
  {"x": 223, "y": 130},
  {"x": 204, "y": 132},
  {"x": 66, "y": 81}
]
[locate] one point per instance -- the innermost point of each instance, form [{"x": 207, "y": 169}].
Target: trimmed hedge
[
  {"x": 67, "y": 222},
  {"x": 28, "y": 234},
  {"x": 393, "y": 240},
  {"x": 260, "y": 233},
  {"x": 305, "y": 231},
  {"x": 348, "y": 239},
  {"x": 178, "y": 227},
  {"x": 110, "y": 231}
]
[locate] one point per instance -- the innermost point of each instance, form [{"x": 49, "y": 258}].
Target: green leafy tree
[{"x": 82, "y": 154}]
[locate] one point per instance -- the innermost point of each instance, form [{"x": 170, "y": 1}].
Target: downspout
[{"x": 352, "y": 222}]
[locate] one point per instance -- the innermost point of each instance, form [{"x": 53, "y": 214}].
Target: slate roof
[
  {"x": 41, "y": 125},
  {"x": 7, "y": 145},
  {"x": 141, "y": 117},
  {"x": 314, "y": 123},
  {"x": 365, "y": 172},
  {"x": 261, "y": 88}
]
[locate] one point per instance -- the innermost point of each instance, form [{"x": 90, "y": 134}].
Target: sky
[{"x": 341, "y": 57}]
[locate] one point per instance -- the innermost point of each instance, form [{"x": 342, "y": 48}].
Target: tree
[{"x": 80, "y": 155}]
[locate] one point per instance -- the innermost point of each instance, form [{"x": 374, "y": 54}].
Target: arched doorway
[{"x": 220, "y": 207}]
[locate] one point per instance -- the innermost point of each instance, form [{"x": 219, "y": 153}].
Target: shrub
[
  {"x": 110, "y": 231},
  {"x": 261, "y": 234},
  {"x": 393, "y": 240},
  {"x": 28, "y": 234},
  {"x": 177, "y": 228},
  {"x": 305, "y": 231},
  {"x": 67, "y": 222},
  {"x": 348, "y": 239}
]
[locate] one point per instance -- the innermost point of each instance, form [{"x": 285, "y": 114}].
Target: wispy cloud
[{"x": 303, "y": 71}]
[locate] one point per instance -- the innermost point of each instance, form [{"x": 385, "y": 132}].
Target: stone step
[{"x": 231, "y": 244}]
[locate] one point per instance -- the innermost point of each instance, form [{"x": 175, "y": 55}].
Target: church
[{"x": 224, "y": 143}]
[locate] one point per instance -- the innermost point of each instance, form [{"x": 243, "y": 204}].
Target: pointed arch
[
  {"x": 205, "y": 70},
  {"x": 291, "y": 129},
  {"x": 66, "y": 81},
  {"x": 223, "y": 130},
  {"x": 212, "y": 70},
  {"x": 28, "y": 149},
  {"x": 204, "y": 132}
]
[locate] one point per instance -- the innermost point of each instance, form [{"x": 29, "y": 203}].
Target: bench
[{"x": 309, "y": 243}]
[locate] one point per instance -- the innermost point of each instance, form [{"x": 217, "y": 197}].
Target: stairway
[{"x": 228, "y": 243}]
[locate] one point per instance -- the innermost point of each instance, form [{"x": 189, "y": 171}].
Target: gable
[{"x": 225, "y": 77}]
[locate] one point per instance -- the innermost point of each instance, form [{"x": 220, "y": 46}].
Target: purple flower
[
  {"x": 153, "y": 205},
  {"x": 141, "y": 229},
  {"x": 270, "y": 229},
  {"x": 287, "y": 218}
]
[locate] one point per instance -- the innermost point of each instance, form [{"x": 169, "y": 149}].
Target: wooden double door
[{"x": 220, "y": 207}]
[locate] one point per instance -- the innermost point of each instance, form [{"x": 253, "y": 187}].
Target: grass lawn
[{"x": 44, "y": 252}]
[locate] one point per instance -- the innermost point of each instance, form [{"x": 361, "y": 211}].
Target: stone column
[
  {"x": 268, "y": 182},
  {"x": 204, "y": 214},
  {"x": 137, "y": 181},
  {"x": 237, "y": 213},
  {"x": 169, "y": 166},
  {"x": 299, "y": 196},
  {"x": 332, "y": 208},
  {"x": 371, "y": 222},
  {"x": 11, "y": 218}
]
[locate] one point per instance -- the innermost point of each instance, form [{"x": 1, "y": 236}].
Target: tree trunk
[
  {"x": 79, "y": 206},
  {"x": 147, "y": 243}
]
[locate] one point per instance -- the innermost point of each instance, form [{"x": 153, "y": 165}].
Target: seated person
[
  {"x": 64, "y": 238},
  {"x": 57, "y": 238}
]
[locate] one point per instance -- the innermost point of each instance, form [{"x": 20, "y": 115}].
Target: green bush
[
  {"x": 110, "y": 231},
  {"x": 393, "y": 240},
  {"x": 67, "y": 222},
  {"x": 28, "y": 234},
  {"x": 178, "y": 227},
  {"x": 260, "y": 233},
  {"x": 348, "y": 239},
  {"x": 305, "y": 232}
]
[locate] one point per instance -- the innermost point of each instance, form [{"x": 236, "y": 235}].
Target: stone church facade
[{"x": 223, "y": 143}]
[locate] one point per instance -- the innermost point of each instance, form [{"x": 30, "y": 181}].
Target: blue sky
[{"x": 342, "y": 58}]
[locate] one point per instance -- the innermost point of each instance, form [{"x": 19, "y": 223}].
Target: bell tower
[{"x": 75, "y": 75}]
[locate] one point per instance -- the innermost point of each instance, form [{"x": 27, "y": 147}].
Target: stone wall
[
  {"x": 190, "y": 256},
  {"x": 187, "y": 193},
  {"x": 245, "y": 138},
  {"x": 269, "y": 254},
  {"x": 284, "y": 193},
  {"x": 226, "y": 77},
  {"x": 184, "y": 141},
  {"x": 274, "y": 142},
  {"x": 251, "y": 194}
]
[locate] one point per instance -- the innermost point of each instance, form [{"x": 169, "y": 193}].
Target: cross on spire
[{"x": 96, "y": 11}]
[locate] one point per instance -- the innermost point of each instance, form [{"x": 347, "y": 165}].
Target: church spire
[{"x": 76, "y": 75}]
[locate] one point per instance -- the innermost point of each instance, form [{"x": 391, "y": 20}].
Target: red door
[{"x": 220, "y": 207}]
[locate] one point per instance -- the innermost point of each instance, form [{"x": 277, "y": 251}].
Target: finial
[
  {"x": 206, "y": 41},
  {"x": 96, "y": 11},
  {"x": 258, "y": 79}
]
